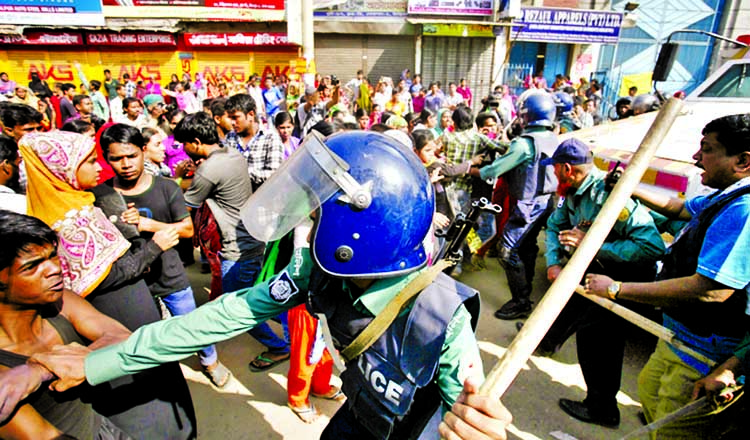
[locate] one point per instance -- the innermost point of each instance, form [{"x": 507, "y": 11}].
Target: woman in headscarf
[
  {"x": 363, "y": 101},
  {"x": 444, "y": 122},
  {"x": 101, "y": 265},
  {"x": 40, "y": 88},
  {"x": 406, "y": 78}
]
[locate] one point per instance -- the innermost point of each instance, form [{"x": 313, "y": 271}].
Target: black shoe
[
  {"x": 514, "y": 309},
  {"x": 581, "y": 411}
]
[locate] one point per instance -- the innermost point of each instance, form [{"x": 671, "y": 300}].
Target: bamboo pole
[
  {"x": 507, "y": 368},
  {"x": 646, "y": 324}
]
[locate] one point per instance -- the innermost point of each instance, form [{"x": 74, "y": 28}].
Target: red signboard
[
  {"x": 130, "y": 39},
  {"x": 238, "y": 39},
  {"x": 44, "y": 38}
]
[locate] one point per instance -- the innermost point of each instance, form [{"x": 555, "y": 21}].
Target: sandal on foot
[
  {"x": 264, "y": 362},
  {"x": 335, "y": 394},
  {"x": 307, "y": 414},
  {"x": 219, "y": 375}
]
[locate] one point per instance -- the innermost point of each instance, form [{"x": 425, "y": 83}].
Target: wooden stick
[
  {"x": 646, "y": 324},
  {"x": 677, "y": 414},
  {"x": 669, "y": 418},
  {"x": 507, "y": 368}
]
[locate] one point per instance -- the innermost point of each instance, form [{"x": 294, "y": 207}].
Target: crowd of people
[{"x": 323, "y": 200}]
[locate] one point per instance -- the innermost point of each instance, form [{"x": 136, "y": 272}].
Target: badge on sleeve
[
  {"x": 282, "y": 288},
  {"x": 624, "y": 215}
]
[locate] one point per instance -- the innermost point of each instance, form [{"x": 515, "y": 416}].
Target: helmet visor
[{"x": 297, "y": 188}]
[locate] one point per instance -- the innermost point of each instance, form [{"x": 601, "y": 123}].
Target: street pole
[{"x": 308, "y": 42}]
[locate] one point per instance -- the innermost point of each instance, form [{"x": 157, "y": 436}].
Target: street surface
[{"x": 253, "y": 406}]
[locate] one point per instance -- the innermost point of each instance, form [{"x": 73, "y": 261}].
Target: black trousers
[{"x": 600, "y": 335}]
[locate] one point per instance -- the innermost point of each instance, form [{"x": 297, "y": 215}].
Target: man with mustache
[
  {"x": 629, "y": 253},
  {"x": 703, "y": 288}
]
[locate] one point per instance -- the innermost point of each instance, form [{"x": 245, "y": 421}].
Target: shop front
[
  {"x": 58, "y": 55},
  {"x": 559, "y": 41},
  {"x": 454, "y": 51}
]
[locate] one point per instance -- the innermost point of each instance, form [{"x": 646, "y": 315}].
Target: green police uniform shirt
[
  {"x": 234, "y": 313},
  {"x": 635, "y": 237},
  {"x": 520, "y": 153}
]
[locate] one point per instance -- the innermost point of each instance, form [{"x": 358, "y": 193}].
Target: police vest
[
  {"x": 727, "y": 318},
  {"x": 391, "y": 387},
  {"x": 525, "y": 183}
]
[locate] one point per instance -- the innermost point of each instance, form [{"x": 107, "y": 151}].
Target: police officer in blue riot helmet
[
  {"x": 532, "y": 186},
  {"x": 566, "y": 121},
  {"x": 372, "y": 204}
]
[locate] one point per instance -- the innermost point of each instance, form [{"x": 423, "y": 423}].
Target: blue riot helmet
[
  {"x": 563, "y": 102},
  {"x": 537, "y": 109},
  {"x": 373, "y": 199},
  {"x": 644, "y": 103}
]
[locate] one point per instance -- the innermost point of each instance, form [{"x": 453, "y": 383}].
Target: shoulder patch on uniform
[
  {"x": 624, "y": 215},
  {"x": 282, "y": 288}
]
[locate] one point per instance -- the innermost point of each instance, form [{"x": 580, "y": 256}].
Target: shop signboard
[
  {"x": 238, "y": 39},
  {"x": 52, "y": 12},
  {"x": 457, "y": 30},
  {"x": 43, "y": 39},
  {"x": 241, "y": 10},
  {"x": 575, "y": 26},
  {"x": 141, "y": 39},
  {"x": 60, "y": 65},
  {"x": 452, "y": 7},
  {"x": 354, "y": 9}
]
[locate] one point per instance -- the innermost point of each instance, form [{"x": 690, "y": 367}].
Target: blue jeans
[
  {"x": 182, "y": 302},
  {"x": 237, "y": 275}
]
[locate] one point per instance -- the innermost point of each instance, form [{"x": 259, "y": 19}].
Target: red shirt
[{"x": 58, "y": 115}]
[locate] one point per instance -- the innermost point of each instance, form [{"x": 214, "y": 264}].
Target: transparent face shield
[{"x": 306, "y": 180}]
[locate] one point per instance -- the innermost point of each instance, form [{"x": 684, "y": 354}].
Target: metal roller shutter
[
  {"x": 447, "y": 59},
  {"x": 388, "y": 55},
  {"x": 377, "y": 55},
  {"x": 339, "y": 55}
]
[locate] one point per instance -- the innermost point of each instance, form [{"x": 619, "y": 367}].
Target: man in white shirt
[
  {"x": 115, "y": 104},
  {"x": 254, "y": 90},
  {"x": 352, "y": 87},
  {"x": 453, "y": 99}
]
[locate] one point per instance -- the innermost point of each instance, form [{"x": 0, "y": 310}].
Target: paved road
[{"x": 254, "y": 405}]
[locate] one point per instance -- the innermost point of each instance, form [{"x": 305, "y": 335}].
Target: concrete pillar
[
  {"x": 308, "y": 42},
  {"x": 418, "y": 54},
  {"x": 500, "y": 56}
]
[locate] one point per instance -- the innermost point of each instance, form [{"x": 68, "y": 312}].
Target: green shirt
[
  {"x": 236, "y": 312},
  {"x": 520, "y": 153},
  {"x": 111, "y": 87},
  {"x": 634, "y": 237}
]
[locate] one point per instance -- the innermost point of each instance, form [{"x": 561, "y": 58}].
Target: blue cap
[{"x": 570, "y": 151}]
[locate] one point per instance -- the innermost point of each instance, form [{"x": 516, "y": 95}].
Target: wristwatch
[{"x": 614, "y": 289}]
